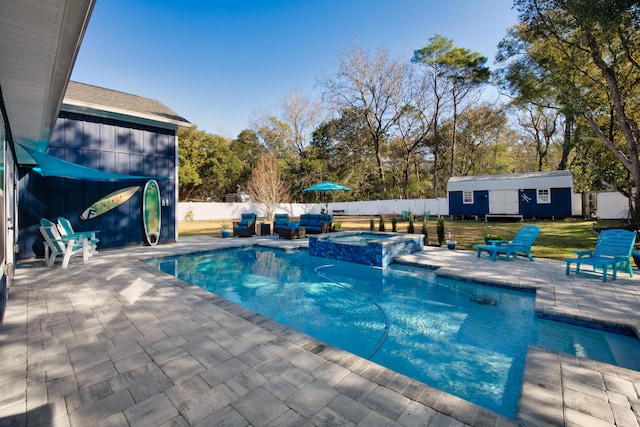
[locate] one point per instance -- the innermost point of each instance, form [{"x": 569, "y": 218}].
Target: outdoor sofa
[{"x": 316, "y": 223}]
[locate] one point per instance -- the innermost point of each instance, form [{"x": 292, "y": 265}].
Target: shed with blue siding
[
  {"x": 534, "y": 194},
  {"x": 113, "y": 132}
]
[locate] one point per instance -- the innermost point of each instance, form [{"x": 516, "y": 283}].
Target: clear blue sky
[{"x": 218, "y": 62}]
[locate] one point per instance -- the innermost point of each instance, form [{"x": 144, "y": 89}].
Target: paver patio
[{"x": 118, "y": 343}]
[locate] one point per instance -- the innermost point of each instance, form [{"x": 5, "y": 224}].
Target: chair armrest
[
  {"x": 325, "y": 227},
  {"x": 583, "y": 252},
  {"x": 236, "y": 223},
  {"x": 87, "y": 234}
]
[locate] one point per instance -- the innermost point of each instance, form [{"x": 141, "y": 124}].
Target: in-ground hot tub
[{"x": 368, "y": 248}]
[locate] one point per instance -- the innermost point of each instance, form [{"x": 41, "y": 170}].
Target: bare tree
[
  {"x": 302, "y": 116},
  {"x": 372, "y": 84},
  {"x": 415, "y": 124},
  {"x": 541, "y": 128},
  {"x": 266, "y": 185}
]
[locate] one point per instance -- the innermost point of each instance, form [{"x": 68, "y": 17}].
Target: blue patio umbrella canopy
[{"x": 326, "y": 186}]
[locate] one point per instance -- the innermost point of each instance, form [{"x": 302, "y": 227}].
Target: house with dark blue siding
[
  {"x": 522, "y": 195},
  {"x": 114, "y": 132}
]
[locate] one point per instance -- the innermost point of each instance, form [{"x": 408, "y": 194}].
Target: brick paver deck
[{"x": 117, "y": 343}]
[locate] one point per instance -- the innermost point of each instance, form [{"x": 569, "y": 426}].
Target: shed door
[{"x": 503, "y": 202}]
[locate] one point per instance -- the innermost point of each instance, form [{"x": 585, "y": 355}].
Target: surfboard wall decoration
[
  {"x": 108, "y": 202},
  {"x": 151, "y": 212}
]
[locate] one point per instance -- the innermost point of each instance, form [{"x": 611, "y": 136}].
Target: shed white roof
[{"x": 512, "y": 181}]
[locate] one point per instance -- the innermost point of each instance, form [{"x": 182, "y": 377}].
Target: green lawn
[{"x": 556, "y": 240}]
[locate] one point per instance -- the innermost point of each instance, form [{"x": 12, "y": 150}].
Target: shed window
[
  {"x": 544, "y": 196},
  {"x": 467, "y": 197}
]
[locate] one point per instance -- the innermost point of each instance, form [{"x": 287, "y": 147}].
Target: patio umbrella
[{"x": 325, "y": 187}]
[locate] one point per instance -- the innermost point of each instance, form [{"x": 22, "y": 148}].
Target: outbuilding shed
[
  {"x": 518, "y": 195},
  {"x": 127, "y": 140}
]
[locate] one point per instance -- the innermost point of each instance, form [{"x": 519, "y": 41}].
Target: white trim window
[
  {"x": 544, "y": 196},
  {"x": 467, "y": 197}
]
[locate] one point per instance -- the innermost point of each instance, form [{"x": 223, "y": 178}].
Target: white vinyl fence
[
  {"x": 201, "y": 211},
  {"x": 611, "y": 205}
]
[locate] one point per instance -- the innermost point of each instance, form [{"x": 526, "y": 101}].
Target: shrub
[
  {"x": 440, "y": 230},
  {"x": 425, "y": 230}
]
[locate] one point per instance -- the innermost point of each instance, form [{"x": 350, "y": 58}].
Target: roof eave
[
  {"x": 114, "y": 113},
  {"x": 41, "y": 40}
]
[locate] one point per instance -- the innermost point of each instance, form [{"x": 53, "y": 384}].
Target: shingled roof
[{"x": 94, "y": 100}]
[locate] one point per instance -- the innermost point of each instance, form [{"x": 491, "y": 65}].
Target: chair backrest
[
  {"x": 51, "y": 234},
  {"x": 46, "y": 223},
  {"x": 64, "y": 226},
  {"x": 526, "y": 236},
  {"x": 281, "y": 219},
  {"x": 247, "y": 218},
  {"x": 615, "y": 243}
]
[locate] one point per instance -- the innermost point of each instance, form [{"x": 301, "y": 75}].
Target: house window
[
  {"x": 544, "y": 196},
  {"x": 467, "y": 197}
]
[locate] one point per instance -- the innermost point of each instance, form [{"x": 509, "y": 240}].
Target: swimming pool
[{"x": 466, "y": 339}]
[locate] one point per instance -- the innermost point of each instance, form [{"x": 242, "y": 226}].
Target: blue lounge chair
[
  {"x": 280, "y": 221},
  {"x": 246, "y": 227},
  {"x": 521, "y": 244},
  {"x": 613, "y": 249}
]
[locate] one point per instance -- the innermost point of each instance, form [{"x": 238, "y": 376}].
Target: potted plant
[
  {"x": 394, "y": 223},
  {"x": 635, "y": 254},
  {"x": 451, "y": 240},
  {"x": 381, "y": 224},
  {"x": 411, "y": 227},
  {"x": 490, "y": 236},
  {"x": 372, "y": 224},
  {"x": 337, "y": 226},
  {"x": 225, "y": 230}
]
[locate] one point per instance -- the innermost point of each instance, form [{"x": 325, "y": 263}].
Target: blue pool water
[{"x": 466, "y": 339}]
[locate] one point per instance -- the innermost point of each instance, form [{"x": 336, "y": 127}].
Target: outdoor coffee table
[{"x": 292, "y": 233}]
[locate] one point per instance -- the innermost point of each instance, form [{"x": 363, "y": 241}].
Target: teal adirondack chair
[
  {"x": 613, "y": 249},
  {"x": 66, "y": 229},
  {"x": 55, "y": 244},
  {"x": 521, "y": 244}
]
